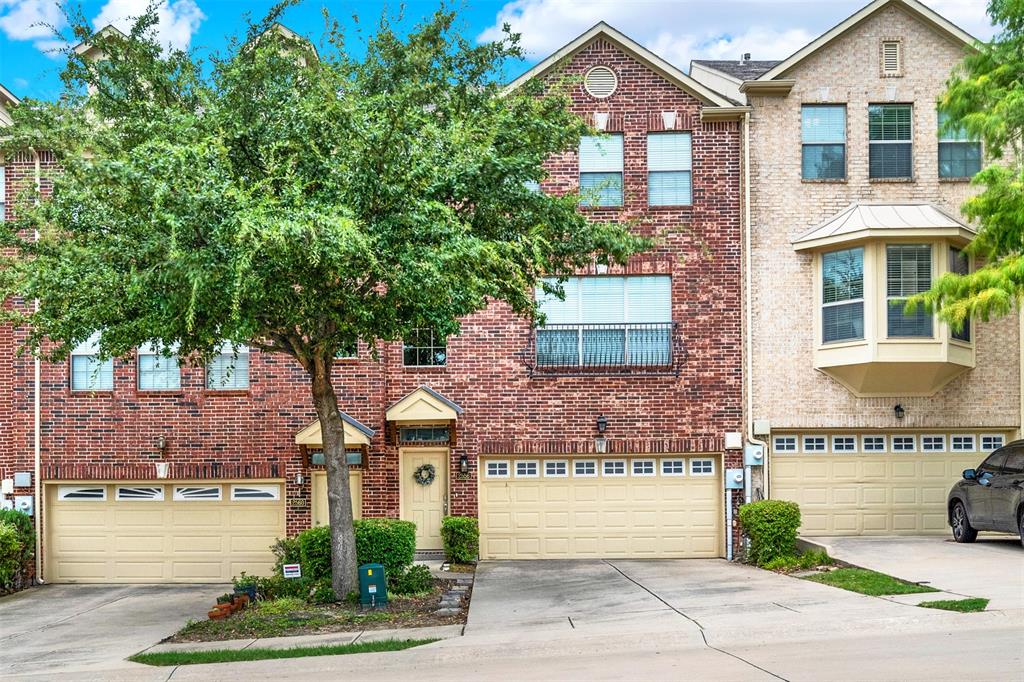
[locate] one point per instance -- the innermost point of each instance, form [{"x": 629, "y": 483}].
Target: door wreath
[{"x": 425, "y": 474}]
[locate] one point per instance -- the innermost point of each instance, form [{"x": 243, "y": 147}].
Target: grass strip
[
  {"x": 962, "y": 605},
  {"x": 233, "y": 655},
  {"x": 868, "y": 582}
]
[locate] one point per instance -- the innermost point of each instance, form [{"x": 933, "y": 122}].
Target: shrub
[
  {"x": 389, "y": 542},
  {"x": 16, "y": 549},
  {"x": 279, "y": 587},
  {"x": 461, "y": 535},
  {"x": 286, "y": 551},
  {"x": 11, "y": 553},
  {"x": 416, "y": 580},
  {"x": 323, "y": 593},
  {"x": 805, "y": 561},
  {"x": 315, "y": 552},
  {"x": 771, "y": 526}
]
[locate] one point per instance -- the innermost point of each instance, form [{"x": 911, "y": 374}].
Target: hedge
[
  {"x": 461, "y": 535},
  {"x": 771, "y": 526},
  {"x": 17, "y": 548}
]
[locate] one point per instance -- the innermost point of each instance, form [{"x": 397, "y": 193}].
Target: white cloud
[
  {"x": 178, "y": 19},
  {"x": 32, "y": 20}
]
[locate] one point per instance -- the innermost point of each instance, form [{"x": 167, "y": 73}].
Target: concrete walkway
[{"x": 992, "y": 567}]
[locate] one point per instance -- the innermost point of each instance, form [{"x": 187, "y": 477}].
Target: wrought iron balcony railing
[{"x": 560, "y": 349}]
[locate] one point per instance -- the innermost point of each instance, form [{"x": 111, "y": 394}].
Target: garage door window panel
[
  {"x": 844, "y": 444},
  {"x": 814, "y": 444},
  {"x": 584, "y": 468},
  {"x": 556, "y": 469},
  {"x": 702, "y": 467},
  {"x": 197, "y": 493},
  {"x": 527, "y": 469},
  {"x": 140, "y": 493},
  {"x": 991, "y": 442},
  {"x": 904, "y": 444},
  {"x": 85, "y": 493},
  {"x": 673, "y": 467},
  {"x": 873, "y": 443},
  {"x": 784, "y": 443},
  {"x": 613, "y": 467},
  {"x": 933, "y": 443},
  {"x": 496, "y": 469},
  {"x": 255, "y": 492},
  {"x": 962, "y": 443},
  {"x": 644, "y": 467}
]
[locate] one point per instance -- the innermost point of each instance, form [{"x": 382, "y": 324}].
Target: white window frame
[
  {"x": 943, "y": 442},
  {"x": 836, "y": 449},
  {"x": 273, "y": 489},
  {"x": 680, "y": 460},
  {"x": 605, "y": 463},
  {"x": 179, "y": 496},
  {"x": 578, "y": 462},
  {"x": 226, "y": 350},
  {"x": 90, "y": 349},
  {"x": 866, "y": 449},
  {"x": 492, "y": 468},
  {"x": 693, "y": 465},
  {"x": 822, "y": 451},
  {"x": 688, "y": 170},
  {"x": 896, "y": 450},
  {"x": 973, "y": 441},
  {"x": 151, "y": 349},
  {"x": 654, "y": 467},
  {"x": 553, "y": 462},
  {"x": 526, "y": 463},
  {"x": 64, "y": 490},
  {"x": 999, "y": 436},
  {"x": 158, "y": 498},
  {"x": 777, "y": 448}
]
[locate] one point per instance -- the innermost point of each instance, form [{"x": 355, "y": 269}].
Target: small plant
[
  {"x": 805, "y": 561},
  {"x": 416, "y": 580},
  {"x": 323, "y": 593},
  {"x": 225, "y": 598},
  {"x": 277, "y": 586},
  {"x": 461, "y": 536},
  {"x": 283, "y": 607},
  {"x": 286, "y": 551},
  {"x": 771, "y": 526},
  {"x": 315, "y": 552},
  {"x": 246, "y": 584}
]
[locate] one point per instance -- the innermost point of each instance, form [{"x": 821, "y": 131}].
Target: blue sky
[{"x": 678, "y": 30}]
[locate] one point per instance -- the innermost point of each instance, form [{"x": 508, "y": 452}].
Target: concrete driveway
[
  {"x": 64, "y": 629},
  {"x": 992, "y": 567}
]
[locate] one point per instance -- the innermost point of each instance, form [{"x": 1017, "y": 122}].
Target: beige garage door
[
  {"x": 649, "y": 507},
  {"x": 138, "y": 532},
  {"x": 868, "y": 493},
  {"x": 355, "y": 482}
]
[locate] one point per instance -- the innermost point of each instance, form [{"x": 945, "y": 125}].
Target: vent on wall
[
  {"x": 891, "y": 57},
  {"x": 600, "y": 82}
]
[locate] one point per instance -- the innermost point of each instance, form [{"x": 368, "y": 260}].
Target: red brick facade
[{"x": 251, "y": 434}]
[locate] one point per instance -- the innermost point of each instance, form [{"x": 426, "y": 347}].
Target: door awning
[
  {"x": 356, "y": 433},
  {"x": 423, "y": 405}
]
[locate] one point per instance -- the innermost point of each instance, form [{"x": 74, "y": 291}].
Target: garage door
[
  {"x": 872, "y": 484},
  {"x": 137, "y": 532},
  {"x": 355, "y": 482},
  {"x": 665, "y": 507}
]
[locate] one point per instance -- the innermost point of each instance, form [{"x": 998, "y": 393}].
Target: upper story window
[
  {"x": 823, "y": 132},
  {"x": 607, "y": 321},
  {"x": 892, "y": 58},
  {"x": 842, "y": 295},
  {"x": 890, "y": 145},
  {"x": 424, "y": 348},
  {"x": 156, "y": 371},
  {"x": 959, "y": 155},
  {"x": 669, "y": 169},
  {"x": 960, "y": 264},
  {"x": 908, "y": 270},
  {"x": 88, "y": 372},
  {"x": 229, "y": 369},
  {"x": 601, "y": 170}
]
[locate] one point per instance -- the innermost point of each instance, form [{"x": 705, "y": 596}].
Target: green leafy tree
[
  {"x": 290, "y": 200},
  {"x": 985, "y": 98}
]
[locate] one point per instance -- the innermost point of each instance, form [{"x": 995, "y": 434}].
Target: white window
[
  {"x": 823, "y": 155},
  {"x": 702, "y": 467},
  {"x": 601, "y": 170},
  {"x": 991, "y": 442},
  {"x": 613, "y": 467},
  {"x": 963, "y": 442},
  {"x": 643, "y": 467},
  {"x": 814, "y": 443},
  {"x": 844, "y": 443},
  {"x": 785, "y": 444},
  {"x": 158, "y": 371},
  {"x": 150, "y": 493},
  {"x": 497, "y": 469},
  {"x": 669, "y": 166},
  {"x": 88, "y": 372},
  {"x": 607, "y": 321},
  {"x": 82, "y": 492},
  {"x": 556, "y": 468},
  {"x": 527, "y": 469},
  {"x": 584, "y": 468},
  {"x": 229, "y": 369},
  {"x": 933, "y": 443},
  {"x": 842, "y": 295},
  {"x": 255, "y": 492},
  {"x": 673, "y": 467},
  {"x": 186, "y": 493},
  {"x": 908, "y": 272},
  {"x": 873, "y": 443},
  {"x": 904, "y": 444}
]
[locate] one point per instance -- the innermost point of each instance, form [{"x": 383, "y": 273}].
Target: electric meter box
[{"x": 373, "y": 585}]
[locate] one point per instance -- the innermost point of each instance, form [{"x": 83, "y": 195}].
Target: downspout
[{"x": 37, "y": 410}]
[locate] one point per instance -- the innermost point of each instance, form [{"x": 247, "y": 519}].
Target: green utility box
[{"x": 373, "y": 585}]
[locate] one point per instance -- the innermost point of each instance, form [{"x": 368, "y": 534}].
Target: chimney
[{"x": 745, "y": 58}]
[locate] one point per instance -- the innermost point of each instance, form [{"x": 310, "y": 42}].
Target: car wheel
[{"x": 963, "y": 531}]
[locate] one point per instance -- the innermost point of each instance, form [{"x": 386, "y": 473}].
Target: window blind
[
  {"x": 842, "y": 295},
  {"x": 908, "y": 272},
  {"x": 669, "y": 169},
  {"x": 601, "y": 154},
  {"x": 823, "y": 152},
  {"x": 959, "y": 155}
]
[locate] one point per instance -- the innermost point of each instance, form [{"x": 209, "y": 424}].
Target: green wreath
[{"x": 424, "y": 475}]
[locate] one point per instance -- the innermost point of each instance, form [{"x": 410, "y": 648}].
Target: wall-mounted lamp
[
  {"x": 299, "y": 479},
  {"x": 602, "y": 423},
  {"x": 899, "y": 411},
  {"x": 463, "y": 464},
  {"x": 601, "y": 443},
  {"x": 161, "y": 443}
]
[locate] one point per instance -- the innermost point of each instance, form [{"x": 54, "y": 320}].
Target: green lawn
[
  {"x": 233, "y": 655},
  {"x": 868, "y": 582},
  {"x": 961, "y": 605}
]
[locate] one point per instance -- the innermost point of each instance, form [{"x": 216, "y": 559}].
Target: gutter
[{"x": 37, "y": 412}]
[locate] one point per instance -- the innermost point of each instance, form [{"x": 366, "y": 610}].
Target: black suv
[{"x": 990, "y": 497}]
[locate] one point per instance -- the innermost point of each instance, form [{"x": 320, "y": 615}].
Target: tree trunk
[{"x": 339, "y": 495}]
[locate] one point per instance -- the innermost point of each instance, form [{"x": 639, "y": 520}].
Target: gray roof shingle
[{"x": 743, "y": 70}]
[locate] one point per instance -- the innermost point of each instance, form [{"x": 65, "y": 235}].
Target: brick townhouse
[
  {"x": 607, "y": 433},
  {"x": 869, "y": 414}
]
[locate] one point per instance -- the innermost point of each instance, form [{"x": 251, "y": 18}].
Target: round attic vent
[{"x": 600, "y": 82}]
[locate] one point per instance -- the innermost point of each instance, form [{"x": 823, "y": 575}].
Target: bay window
[
  {"x": 842, "y": 295},
  {"x": 908, "y": 269},
  {"x": 601, "y": 170}
]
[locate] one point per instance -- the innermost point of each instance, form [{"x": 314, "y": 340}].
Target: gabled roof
[
  {"x": 921, "y": 11},
  {"x": 867, "y": 220},
  {"x": 85, "y": 47},
  {"x": 356, "y": 433},
  {"x": 8, "y": 97},
  {"x": 639, "y": 52},
  {"x": 423, "y": 404},
  {"x": 739, "y": 70}
]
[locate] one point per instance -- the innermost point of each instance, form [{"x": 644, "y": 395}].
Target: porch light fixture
[
  {"x": 899, "y": 411},
  {"x": 299, "y": 479},
  {"x": 463, "y": 464},
  {"x": 601, "y": 443},
  {"x": 602, "y": 423},
  {"x": 161, "y": 444}
]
